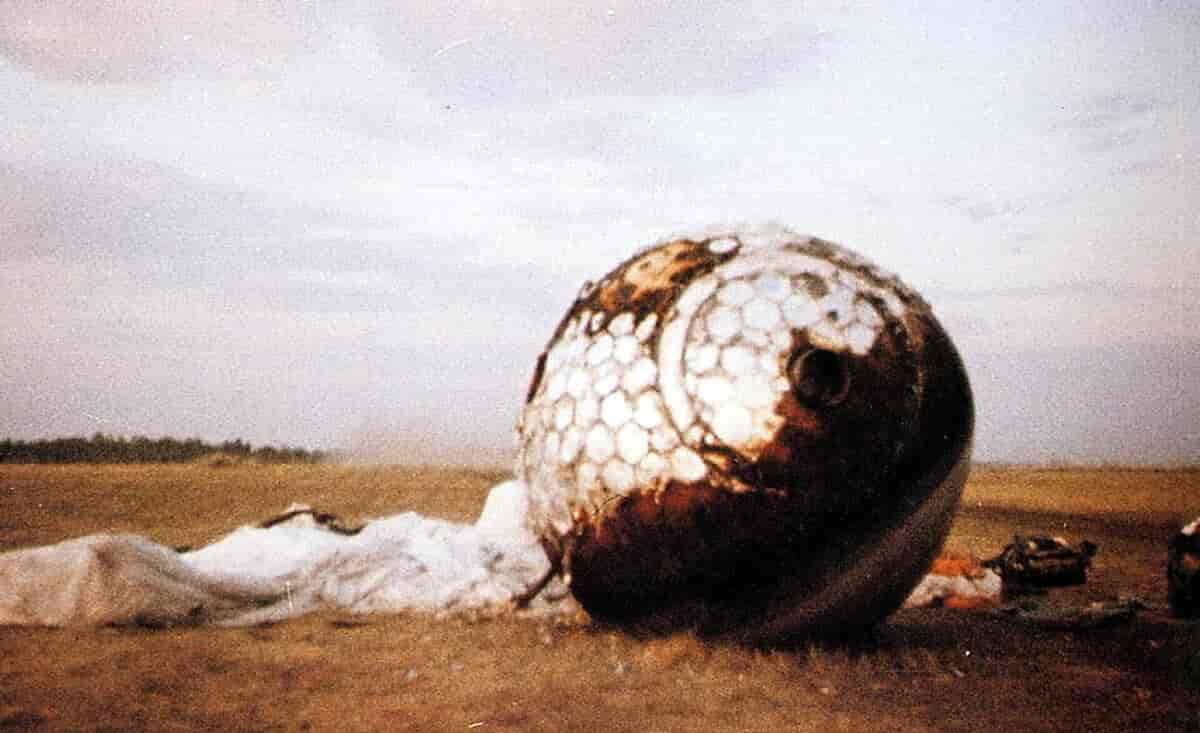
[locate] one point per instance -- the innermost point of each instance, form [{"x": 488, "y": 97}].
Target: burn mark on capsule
[
  {"x": 851, "y": 263},
  {"x": 866, "y": 401},
  {"x": 815, "y": 286},
  {"x": 539, "y": 370},
  {"x": 648, "y": 282},
  {"x": 687, "y": 541}
]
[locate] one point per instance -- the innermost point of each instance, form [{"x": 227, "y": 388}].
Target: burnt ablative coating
[
  {"x": 1183, "y": 571},
  {"x": 748, "y": 430}
]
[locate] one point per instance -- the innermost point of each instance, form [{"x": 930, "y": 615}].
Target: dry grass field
[{"x": 928, "y": 669}]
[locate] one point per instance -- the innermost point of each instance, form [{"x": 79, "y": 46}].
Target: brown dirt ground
[{"x": 925, "y": 670}]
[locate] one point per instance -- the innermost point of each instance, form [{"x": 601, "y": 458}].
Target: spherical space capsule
[{"x": 751, "y": 431}]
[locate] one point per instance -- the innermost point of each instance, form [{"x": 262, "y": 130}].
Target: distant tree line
[{"x": 101, "y": 448}]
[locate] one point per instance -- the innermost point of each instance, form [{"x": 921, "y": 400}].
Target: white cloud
[{"x": 282, "y": 189}]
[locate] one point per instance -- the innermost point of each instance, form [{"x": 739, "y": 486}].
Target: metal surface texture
[
  {"x": 748, "y": 430},
  {"x": 1183, "y": 571}
]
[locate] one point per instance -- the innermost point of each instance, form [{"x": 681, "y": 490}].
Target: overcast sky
[{"x": 341, "y": 224}]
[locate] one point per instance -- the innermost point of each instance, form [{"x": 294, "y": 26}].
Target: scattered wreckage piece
[
  {"x": 956, "y": 582},
  {"x": 303, "y": 515},
  {"x": 1095, "y": 615},
  {"x": 1030, "y": 563},
  {"x": 1183, "y": 571},
  {"x": 752, "y": 430}
]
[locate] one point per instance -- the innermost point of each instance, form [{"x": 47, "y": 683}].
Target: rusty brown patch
[
  {"x": 647, "y": 283},
  {"x": 833, "y": 457},
  {"x": 814, "y": 286},
  {"x": 652, "y": 550},
  {"x": 797, "y": 419},
  {"x": 682, "y": 502},
  {"x": 817, "y": 247},
  {"x": 642, "y": 508},
  {"x": 650, "y": 282}
]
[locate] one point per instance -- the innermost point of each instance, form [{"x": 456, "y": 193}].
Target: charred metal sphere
[
  {"x": 755, "y": 432},
  {"x": 1183, "y": 571}
]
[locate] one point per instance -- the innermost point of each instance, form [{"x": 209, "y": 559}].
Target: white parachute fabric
[
  {"x": 936, "y": 589},
  {"x": 405, "y": 562}
]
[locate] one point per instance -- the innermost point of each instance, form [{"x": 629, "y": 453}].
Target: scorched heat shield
[{"x": 754, "y": 431}]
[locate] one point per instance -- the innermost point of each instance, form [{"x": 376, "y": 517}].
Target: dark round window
[{"x": 819, "y": 377}]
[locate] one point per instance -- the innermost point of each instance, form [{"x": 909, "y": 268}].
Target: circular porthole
[{"x": 819, "y": 377}]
